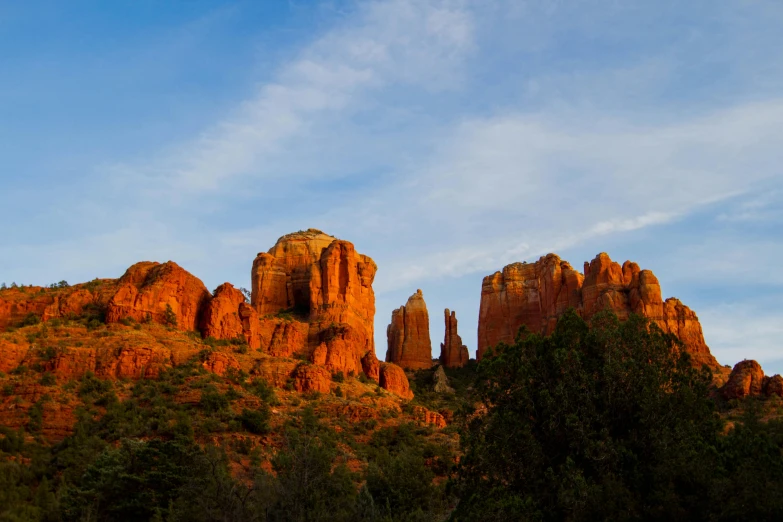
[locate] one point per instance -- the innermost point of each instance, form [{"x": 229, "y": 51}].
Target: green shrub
[
  {"x": 30, "y": 319},
  {"x": 48, "y": 379},
  {"x": 256, "y": 421},
  {"x": 338, "y": 377},
  {"x": 169, "y": 317}
]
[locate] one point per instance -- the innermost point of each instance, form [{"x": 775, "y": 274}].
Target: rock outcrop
[
  {"x": 408, "y": 335},
  {"x": 392, "y": 378},
  {"x": 440, "y": 382},
  {"x": 536, "y": 294},
  {"x": 453, "y": 354},
  {"x": 747, "y": 379},
  {"x": 16, "y": 304},
  {"x": 147, "y": 290},
  {"x": 221, "y": 318}
]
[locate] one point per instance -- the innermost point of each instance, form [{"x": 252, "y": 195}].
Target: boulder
[
  {"x": 453, "y": 354},
  {"x": 408, "y": 335},
  {"x": 746, "y": 380},
  {"x": 773, "y": 386},
  {"x": 392, "y": 378},
  {"x": 147, "y": 290}
]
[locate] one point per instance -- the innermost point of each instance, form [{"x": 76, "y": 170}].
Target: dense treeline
[
  {"x": 610, "y": 422},
  {"x": 606, "y": 421}
]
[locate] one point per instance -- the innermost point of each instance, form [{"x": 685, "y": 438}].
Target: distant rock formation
[
  {"x": 148, "y": 290},
  {"x": 453, "y": 354},
  {"x": 536, "y": 294},
  {"x": 408, "y": 335},
  {"x": 747, "y": 379},
  {"x": 311, "y": 296}
]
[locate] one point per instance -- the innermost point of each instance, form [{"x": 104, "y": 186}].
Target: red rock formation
[
  {"x": 309, "y": 378},
  {"x": 147, "y": 288},
  {"x": 773, "y": 386},
  {"x": 392, "y": 378},
  {"x": 221, "y": 318},
  {"x": 426, "y": 416},
  {"x": 52, "y": 303},
  {"x": 453, "y": 354},
  {"x": 531, "y": 294},
  {"x": 408, "y": 335},
  {"x": 220, "y": 363},
  {"x": 536, "y": 294},
  {"x": 371, "y": 366},
  {"x": 747, "y": 380},
  {"x": 320, "y": 292}
]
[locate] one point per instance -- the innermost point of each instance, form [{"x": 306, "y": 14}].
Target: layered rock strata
[
  {"x": 408, "y": 335},
  {"x": 536, "y": 294},
  {"x": 453, "y": 354}
]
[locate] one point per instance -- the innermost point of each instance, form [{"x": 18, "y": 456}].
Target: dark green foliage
[
  {"x": 261, "y": 389},
  {"x": 48, "y": 379},
  {"x": 169, "y": 317},
  {"x": 31, "y": 319},
  {"x": 256, "y": 421},
  {"x": 131, "y": 482},
  {"x": 338, "y": 377},
  {"x": 92, "y": 387},
  {"x": 608, "y": 423},
  {"x": 212, "y": 401}
]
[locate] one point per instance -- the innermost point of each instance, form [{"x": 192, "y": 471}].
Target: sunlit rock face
[
  {"x": 536, "y": 294},
  {"x": 408, "y": 335}
]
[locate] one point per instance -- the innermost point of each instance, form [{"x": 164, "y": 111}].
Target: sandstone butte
[
  {"x": 311, "y": 298},
  {"x": 536, "y": 294},
  {"x": 453, "y": 354},
  {"x": 408, "y": 335}
]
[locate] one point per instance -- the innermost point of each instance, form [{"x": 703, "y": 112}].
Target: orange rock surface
[
  {"x": 426, "y": 416},
  {"x": 392, "y": 378},
  {"x": 453, "y": 354},
  {"x": 536, "y": 294},
  {"x": 747, "y": 379},
  {"x": 221, "y": 318},
  {"x": 147, "y": 288},
  {"x": 408, "y": 335},
  {"x": 53, "y": 303}
]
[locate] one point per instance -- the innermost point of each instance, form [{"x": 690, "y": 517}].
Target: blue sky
[{"x": 445, "y": 138}]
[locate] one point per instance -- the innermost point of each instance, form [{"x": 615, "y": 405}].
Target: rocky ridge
[{"x": 536, "y": 294}]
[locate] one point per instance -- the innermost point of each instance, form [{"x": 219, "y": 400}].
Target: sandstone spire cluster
[
  {"x": 536, "y": 294},
  {"x": 453, "y": 354},
  {"x": 408, "y": 335}
]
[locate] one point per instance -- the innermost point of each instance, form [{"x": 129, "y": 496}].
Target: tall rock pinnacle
[
  {"x": 453, "y": 354},
  {"x": 408, "y": 335}
]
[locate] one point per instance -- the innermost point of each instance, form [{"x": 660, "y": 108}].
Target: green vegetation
[
  {"x": 169, "y": 317},
  {"x": 595, "y": 422},
  {"x": 607, "y": 423}
]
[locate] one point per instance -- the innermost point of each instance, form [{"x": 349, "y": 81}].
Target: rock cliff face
[
  {"x": 747, "y": 379},
  {"x": 453, "y": 354},
  {"x": 408, "y": 335},
  {"x": 147, "y": 288},
  {"x": 312, "y": 297},
  {"x": 536, "y": 294}
]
